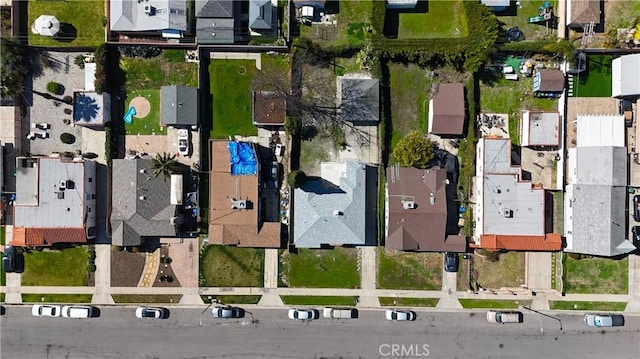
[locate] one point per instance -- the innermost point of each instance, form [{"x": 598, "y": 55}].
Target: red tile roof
[
  {"x": 39, "y": 237},
  {"x": 548, "y": 242}
]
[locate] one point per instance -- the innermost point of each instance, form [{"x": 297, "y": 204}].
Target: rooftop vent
[
  {"x": 507, "y": 213},
  {"x": 142, "y": 198},
  {"x": 408, "y": 204},
  {"x": 143, "y": 171},
  {"x": 238, "y": 204},
  {"x": 149, "y": 10},
  {"x": 337, "y": 212},
  {"x": 432, "y": 199},
  {"x": 63, "y": 185}
]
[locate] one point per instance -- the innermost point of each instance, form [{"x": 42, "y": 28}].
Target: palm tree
[{"x": 164, "y": 164}]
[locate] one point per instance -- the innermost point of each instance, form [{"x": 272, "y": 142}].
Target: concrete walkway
[
  {"x": 368, "y": 261},
  {"x": 102, "y": 276},
  {"x": 633, "y": 305},
  {"x": 271, "y": 259}
]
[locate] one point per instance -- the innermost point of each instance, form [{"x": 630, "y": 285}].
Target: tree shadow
[
  {"x": 67, "y": 33},
  {"x": 85, "y": 108}
]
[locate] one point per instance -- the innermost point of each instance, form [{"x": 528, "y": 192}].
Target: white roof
[
  {"x": 540, "y": 128},
  {"x": 625, "y": 79},
  {"x": 600, "y": 130},
  {"x": 90, "y": 76}
]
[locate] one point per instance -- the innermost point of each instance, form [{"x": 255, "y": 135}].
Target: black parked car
[
  {"x": 451, "y": 262},
  {"x": 636, "y": 208},
  {"x": 9, "y": 259},
  {"x": 636, "y": 235}
]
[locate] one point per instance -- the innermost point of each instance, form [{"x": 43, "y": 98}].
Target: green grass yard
[
  {"x": 57, "y": 298},
  {"x": 409, "y": 270},
  {"x": 67, "y": 267},
  {"x": 596, "y": 81},
  {"x": 351, "y": 20},
  {"x": 318, "y": 300},
  {"x": 232, "y": 299},
  {"x": 230, "y": 86},
  {"x": 151, "y": 74},
  {"x": 409, "y": 101},
  {"x": 228, "y": 266},
  {"x": 530, "y": 8},
  {"x": 493, "y": 304},
  {"x": 444, "y": 19},
  {"x": 320, "y": 268},
  {"x": 596, "y": 275},
  {"x": 408, "y": 302},
  {"x": 582, "y": 306},
  {"x": 87, "y": 17},
  {"x": 150, "y": 124},
  {"x": 144, "y": 299},
  {"x": 508, "y": 271}
]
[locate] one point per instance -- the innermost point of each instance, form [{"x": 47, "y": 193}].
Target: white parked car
[
  {"x": 227, "y": 312},
  {"x": 604, "y": 320},
  {"x": 400, "y": 315},
  {"x": 150, "y": 313},
  {"x": 77, "y": 311},
  {"x": 184, "y": 143},
  {"x": 45, "y": 310},
  {"x": 303, "y": 314}
]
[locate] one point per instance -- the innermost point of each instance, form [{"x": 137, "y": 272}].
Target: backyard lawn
[
  {"x": 163, "y": 70},
  {"x": 150, "y": 124},
  {"x": 351, "y": 20},
  {"x": 409, "y": 101},
  {"x": 230, "y": 84},
  {"x": 596, "y": 275},
  {"x": 320, "y": 268},
  {"x": 443, "y": 19},
  {"x": 508, "y": 271},
  {"x": 596, "y": 81},
  {"x": 67, "y": 267},
  {"x": 518, "y": 17},
  {"x": 512, "y": 98},
  {"x": 228, "y": 266},
  {"x": 83, "y": 21},
  {"x": 397, "y": 270}
]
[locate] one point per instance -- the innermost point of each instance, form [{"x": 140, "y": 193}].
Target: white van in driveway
[{"x": 77, "y": 311}]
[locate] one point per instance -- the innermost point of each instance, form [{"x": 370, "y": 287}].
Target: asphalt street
[{"x": 118, "y": 334}]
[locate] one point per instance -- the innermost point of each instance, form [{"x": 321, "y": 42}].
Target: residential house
[
  {"x": 164, "y": 17},
  {"x": 216, "y": 21},
  {"x": 625, "y": 75},
  {"x": 262, "y": 17},
  {"x": 269, "y": 108},
  {"x": 583, "y": 12},
  {"x": 446, "y": 110},
  {"x": 595, "y": 201},
  {"x": 540, "y": 129},
  {"x": 146, "y": 206},
  {"x": 237, "y": 203},
  {"x": 336, "y": 209},
  {"x": 91, "y": 109},
  {"x": 401, "y": 4},
  {"x": 496, "y": 5},
  {"x": 55, "y": 201},
  {"x": 419, "y": 213},
  {"x": 548, "y": 83},
  {"x": 510, "y": 212},
  {"x": 179, "y": 106},
  {"x": 359, "y": 101}
]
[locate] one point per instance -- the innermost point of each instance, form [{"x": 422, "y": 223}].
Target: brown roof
[
  {"x": 268, "y": 108},
  {"x": 551, "y": 81},
  {"x": 585, "y": 11},
  {"x": 38, "y": 237},
  {"x": 241, "y": 227},
  {"x": 424, "y": 227},
  {"x": 548, "y": 242},
  {"x": 447, "y": 108}
]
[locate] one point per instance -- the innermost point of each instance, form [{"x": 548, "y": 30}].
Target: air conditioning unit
[
  {"x": 149, "y": 10},
  {"x": 238, "y": 204},
  {"x": 408, "y": 204}
]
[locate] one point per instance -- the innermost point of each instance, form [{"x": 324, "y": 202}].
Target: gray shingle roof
[
  {"x": 215, "y": 31},
  {"x": 179, "y": 105},
  {"x": 214, "y": 8},
  {"x": 325, "y": 215},
  {"x": 260, "y": 15},
  {"x": 130, "y": 15},
  {"x": 141, "y": 203}
]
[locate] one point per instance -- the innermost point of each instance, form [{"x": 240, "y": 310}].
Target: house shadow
[
  {"x": 67, "y": 33},
  {"x": 511, "y": 10},
  {"x": 319, "y": 185}
]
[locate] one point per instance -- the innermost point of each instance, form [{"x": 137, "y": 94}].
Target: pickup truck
[{"x": 340, "y": 313}]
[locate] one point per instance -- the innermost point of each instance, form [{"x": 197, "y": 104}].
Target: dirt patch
[
  {"x": 166, "y": 272},
  {"x": 142, "y": 106},
  {"x": 126, "y": 268}
]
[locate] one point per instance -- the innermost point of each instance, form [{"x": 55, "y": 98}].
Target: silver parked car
[
  {"x": 45, "y": 310},
  {"x": 227, "y": 312},
  {"x": 604, "y": 320},
  {"x": 151, "y": 313}
]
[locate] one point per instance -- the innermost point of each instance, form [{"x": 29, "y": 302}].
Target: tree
[
  {"x": 15, "y": 67},
  {"x": 414, "y": 150},
  {"x": 296, "y": 179},
  {"x": 164, "y": 164},
  {"x": 67, "y": 138}
]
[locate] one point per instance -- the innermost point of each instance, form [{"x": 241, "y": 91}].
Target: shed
[{"x": 446, "y": 110}]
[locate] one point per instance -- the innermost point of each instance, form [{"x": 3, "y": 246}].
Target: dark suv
[
  {"x": 636, "y": 208},
  {"x": 9, "y": 259},
  {"x": 451, "y": 262},
  {"x": 636, "y": 235}
]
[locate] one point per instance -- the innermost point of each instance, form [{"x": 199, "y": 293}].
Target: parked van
[
  {"x": 504, "y": 317},
  {"x": 77, "y": 311},
  {"x": 340, "y": 313}
]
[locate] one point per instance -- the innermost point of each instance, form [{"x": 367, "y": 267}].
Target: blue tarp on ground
[{"x": 243, "y": 159}]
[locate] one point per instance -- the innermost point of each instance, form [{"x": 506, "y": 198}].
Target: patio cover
[{"x": 46, "y": 25}]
